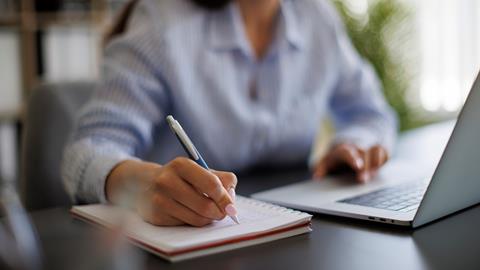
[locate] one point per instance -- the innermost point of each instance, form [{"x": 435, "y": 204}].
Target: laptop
[{"x": 399, "y": 195}]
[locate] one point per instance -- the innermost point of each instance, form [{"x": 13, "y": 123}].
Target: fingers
[
  {"x": 374, "y": 158},
  {"x": 378, "y": 156},
  {"x": 365, "y": 164},
  {"x": 166, "y": 211},
  {"x": 351, "y": 155},
  {"x": 321, "y": 170},
  {"x": 146, "y": 209},
  {"x": 184, "y": 214},
  {"x": 364, "y": 175},
  {"x": 346, "y": 154},
  {"x": 185, "y": 194},
  {"x": 203, "y": 180},
  {"x": 229, "y": 181},
  {"x": 162, "y": 220}
]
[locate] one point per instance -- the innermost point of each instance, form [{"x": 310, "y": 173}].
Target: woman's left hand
[{"x": 365, "y": 163}]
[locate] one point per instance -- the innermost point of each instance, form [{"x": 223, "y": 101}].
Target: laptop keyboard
[{"x": 402, "y": 198}]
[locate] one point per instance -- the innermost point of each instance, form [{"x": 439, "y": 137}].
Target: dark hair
[
  {"x": 212, "y": 4},
  {"x": 120, "y": 21}
]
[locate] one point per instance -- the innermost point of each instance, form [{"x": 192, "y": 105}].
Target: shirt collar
[
  {"x": 226, "y": 32},
  {"x": 291, "y": 23}
]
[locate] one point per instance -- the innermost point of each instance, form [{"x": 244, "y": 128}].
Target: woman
[{"x": 249, "y": 80}]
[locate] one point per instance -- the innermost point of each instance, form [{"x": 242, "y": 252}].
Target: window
[{"x": 449, "y": 39}]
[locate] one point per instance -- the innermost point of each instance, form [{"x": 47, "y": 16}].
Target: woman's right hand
[{"x": 179, "y": 192}]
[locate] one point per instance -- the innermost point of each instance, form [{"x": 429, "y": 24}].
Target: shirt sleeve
[
  {"x": 118, "y": 121},
  {"x": 359, "y": 110}
]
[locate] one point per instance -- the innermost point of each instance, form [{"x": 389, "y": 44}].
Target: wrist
[{"x": 129, "y": 178}]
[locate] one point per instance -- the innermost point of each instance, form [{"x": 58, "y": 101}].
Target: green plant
[{"x": 381, "y": 36}]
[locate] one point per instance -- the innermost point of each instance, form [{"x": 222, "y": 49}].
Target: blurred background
[{"x": 426, "y": 53}]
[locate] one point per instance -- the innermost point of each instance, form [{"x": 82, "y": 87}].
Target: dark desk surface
[{"x": 334, "y": 243}]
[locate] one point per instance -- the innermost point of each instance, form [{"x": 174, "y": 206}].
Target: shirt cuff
[{"x": 86, "y": 166}]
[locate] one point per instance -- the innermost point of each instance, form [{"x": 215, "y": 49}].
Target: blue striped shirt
[{"x": 176, "y": 58}]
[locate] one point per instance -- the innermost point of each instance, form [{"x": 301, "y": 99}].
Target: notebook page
[{"x": 254, "y": 216}]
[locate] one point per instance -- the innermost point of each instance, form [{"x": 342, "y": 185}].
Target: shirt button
[{"x": 253, "y": 91}]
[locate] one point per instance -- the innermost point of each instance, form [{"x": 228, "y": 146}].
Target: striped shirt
[{"x": 198, "y": 65}]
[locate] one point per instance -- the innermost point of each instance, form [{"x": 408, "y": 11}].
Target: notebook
[{"x": 260, "y": 222}]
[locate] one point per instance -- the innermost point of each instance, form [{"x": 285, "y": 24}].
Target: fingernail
[
  {"x": 232, "y": 193},
  {"x": 364, "y": 177},
  {"x": 231, "y": 210},
  {"x": 359, "y": 163}
]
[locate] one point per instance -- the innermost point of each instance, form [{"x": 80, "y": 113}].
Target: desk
[{"x": 334, "y": 243}]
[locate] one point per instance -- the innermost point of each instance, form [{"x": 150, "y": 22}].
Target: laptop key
[{"x": 403, "y": 198}]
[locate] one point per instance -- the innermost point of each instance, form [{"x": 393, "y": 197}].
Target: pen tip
[{"x": 235, "y": 218}]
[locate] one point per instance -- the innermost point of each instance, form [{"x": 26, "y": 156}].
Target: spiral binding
[{"x": 270, "y": 206}]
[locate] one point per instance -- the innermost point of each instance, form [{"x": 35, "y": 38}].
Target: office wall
[
  {"x": 10, "y": 78},
  {"x": 71, "y": 53}
]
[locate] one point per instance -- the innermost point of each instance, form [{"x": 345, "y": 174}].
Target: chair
[{"x": 48, "y": 122}]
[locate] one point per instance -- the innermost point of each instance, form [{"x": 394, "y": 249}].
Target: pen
[{"x": 191, "y": 150}]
